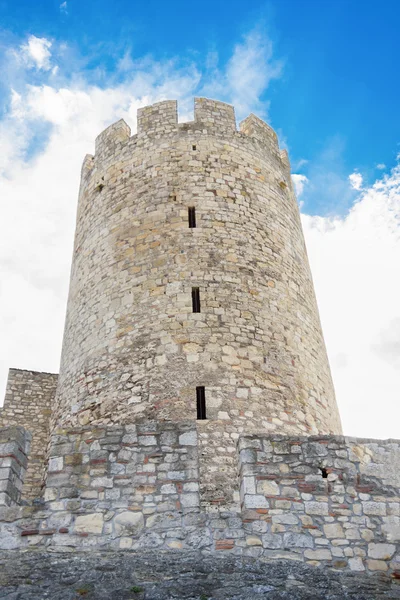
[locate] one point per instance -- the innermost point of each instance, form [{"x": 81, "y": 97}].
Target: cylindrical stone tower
[{"x": 191, "y": 295}]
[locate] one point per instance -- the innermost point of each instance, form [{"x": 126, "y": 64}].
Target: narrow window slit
[
  {"x": 196, "y": 299},
  {"x": 201, "y": 402},
  {"x": 192, "y": 216},
  {"x": 193, "y": 147}
]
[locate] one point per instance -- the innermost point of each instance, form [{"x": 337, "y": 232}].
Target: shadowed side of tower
[{"x": 191, "y": 296}]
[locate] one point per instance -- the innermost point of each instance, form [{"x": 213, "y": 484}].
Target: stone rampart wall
[
  {"x": 14, "y": 448},
  {"x": 333, "y": 500},
  {"x": 27, "y": 403},
  {"x": 329, "y": 501}
]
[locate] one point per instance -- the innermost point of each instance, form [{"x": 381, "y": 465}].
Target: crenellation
[
  {"x": 87, "y": 165},
  {"x": 158, "y": 119},
  {"x": 217, "y": 117},
  {"x": 260, "y": 131},
  {"x": 110, "y": 141}
]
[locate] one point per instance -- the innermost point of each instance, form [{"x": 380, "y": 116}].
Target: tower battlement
[
  {"x": 190, "y": 273},
  {"x": 161, "y": 119}
]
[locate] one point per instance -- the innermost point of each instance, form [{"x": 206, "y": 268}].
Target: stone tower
[
  {"x": 194, "y": 409},
  {"x": 191, "y": 296}
]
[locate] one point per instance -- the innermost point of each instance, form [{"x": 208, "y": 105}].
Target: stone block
[
  {"x": 255, "y": 501},
  {"x": 90, "y": 523},
  {"x": 320, "y": 554},
  {"x": 377, "y": 565},
  {"x": 381, "y": 551},
  {"x": 189, "y": 438},
  {"x": 268, "y": 487},
  {"x": 316, "y": 508},
  {"x": 333, "y": 530},
  {"x": 128, "y": 523}
]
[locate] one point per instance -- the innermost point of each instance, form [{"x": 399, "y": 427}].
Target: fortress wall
[
  {"x": 133, "y": 347},
  {"x": 14, "y": 449},
  {"x": 334, "y": 500},
  {"x": 28, "y": 402},
  {"x": 328, "y": 501}
]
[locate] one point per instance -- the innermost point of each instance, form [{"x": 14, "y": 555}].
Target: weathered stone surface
[
  {"x": 333, "y": 530},
  {"x": 91, "y": 523},
  {"x": 133, "y": 345},
  {"x": 165, "y": 576},
  {"x": 27, "y": 403},
  {"x": 129, "y": 523},
  {"x": 381, "y": 551},
  {"x": 130, "y": 464}
]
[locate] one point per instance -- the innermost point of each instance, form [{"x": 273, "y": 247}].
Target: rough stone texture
[
  {"x": 168, "y": 576},
  {"x": 331, "y": 498},
  {"x": 129, "y": 465},
  {"x": 133, "y": 348},
  {"x": 27, "y": 403},
  {"x": 14, "y": 448},
  {"x": 323, "y": 500}
]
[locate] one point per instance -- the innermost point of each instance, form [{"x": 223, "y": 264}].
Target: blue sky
[
  {"x": 322, "y": 73},
  {"x": 337, "y": 98}
]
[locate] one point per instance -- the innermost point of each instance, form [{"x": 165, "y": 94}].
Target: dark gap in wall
[
  {"x": 196, "y": 299},
  {"x": 192, "y": 216},
  {"x": 201, "y": 402}
]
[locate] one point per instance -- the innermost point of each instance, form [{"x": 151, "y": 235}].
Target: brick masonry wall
[
  {"x": 27, "y": 403},
  {"x": 14, "y": 448},
  {"x": 133, "y": 347}
]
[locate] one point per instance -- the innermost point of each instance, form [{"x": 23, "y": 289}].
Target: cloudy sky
[{"x": 322, "y": 74}]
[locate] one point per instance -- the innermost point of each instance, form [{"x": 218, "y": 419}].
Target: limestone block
[
  {"x": 253, "y": 540},
  {"x": 356, "y": 564},
  {"x": 189, "y": 438},
  {"x": 377, "y": 565},
  {"x": 267, "y": 487},
  {"x": 91, "y": 523},
  {"x": 320, "y": 554},
  {"x": 297, "y": 540},
  {"x": 333, "y": 530},
  {"x": 316, "y": 508},
  {"x": 381, "y": 551},
  {"x": 255, "y": 501},
  {"x": 128, "y": 523}
]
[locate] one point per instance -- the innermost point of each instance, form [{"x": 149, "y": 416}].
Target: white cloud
[
  {"x": 64, "y": 7},
  {"x": 299, "y": 181},
  {"x": 356, "y": 181},
  {"x": 355, "y": 260},
  {"x": 38, "y": 196},
  {"x": 36, "y": 52},
  {"x": 328, "y": 191},
  {"x": 381, "y": 166},
  {"x": 248, "y": 74}
]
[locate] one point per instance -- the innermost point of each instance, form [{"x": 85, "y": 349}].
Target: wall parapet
[{"x": 14, "y": 449}]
